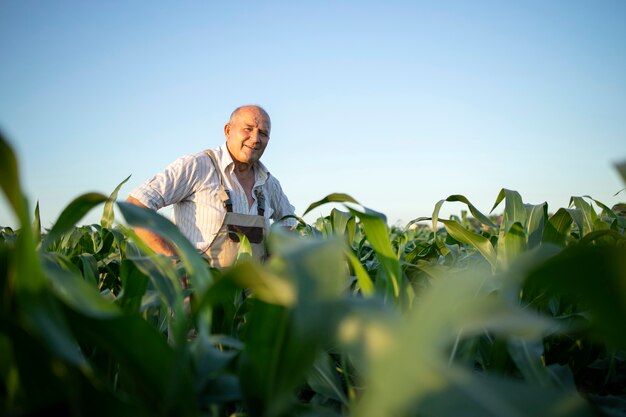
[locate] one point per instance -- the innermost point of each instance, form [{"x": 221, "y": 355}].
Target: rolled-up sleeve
[{"x": 173, "y": 185}]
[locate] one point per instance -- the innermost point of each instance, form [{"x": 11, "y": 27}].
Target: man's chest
[
  {"x": 207, "y": 196},
  {"x": 247, "y": 182}
]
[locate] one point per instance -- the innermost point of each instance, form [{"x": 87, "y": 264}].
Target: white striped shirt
[{"x": 192, "y": 186}]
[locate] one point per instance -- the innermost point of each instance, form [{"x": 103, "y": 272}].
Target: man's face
[{"x": 247, "y": 135}]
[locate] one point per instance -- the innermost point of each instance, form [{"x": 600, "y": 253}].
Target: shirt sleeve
[
  {"x": 176, "y": 183},
  {"x": 280, "y": 204}
]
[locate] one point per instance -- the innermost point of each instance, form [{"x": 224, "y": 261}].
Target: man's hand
[{"x": 154, "y": 241}]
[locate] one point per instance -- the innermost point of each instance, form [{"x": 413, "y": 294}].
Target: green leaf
[
  {"x": 410, "y": 367},
  {"x": 514, "y": 210},
  {"x": 42, "y": 315},
  {"x": 459, "y": 198},
  {"x": 38, "y": 310},
  {"x": 343, "y": 224},
  {"x": 480, "y": 243},
  {"x": 163, "y": 276},
  {"x": 282, "y": 342},
  {"x": 134, "y": 285},
  {"x": 536, "y": 217},
  {"x": 493, "y": 396},
  {"x": 323, "y": 379},
  {"x": 277, "y": 356},
  {"x": 159, "y": 377},
  {"x": 209, "y": 361},
  {"x": 377, "y": 234},
  {"x": 75, "y": 211},
  {"x": 32, "y": 384},
  {"x": 365, "y": 282},
  {"x": 265, "y": 285},
  {"x": 37, "y": 226},
  {"x": 592, "y": 276},
  {"x": 107, "y": 215},
  {"x": 578, "y": 218},
  {"x": 10, "y": 180},
  {"x": 339, "y": 220},
  {"x": 606, "y": 210},
  {"x": 197, "y": 269},
  {"x": 558, "y": 227},
  {"x": 331, "y": 198},
  {"x": 589, "y": 215},
  {"x": 244, "y": 253},
  {"x": 527, "y": 356},
  {"x": 70, "y": 287},
  {"x": 318, "y": 266},
  {"x": 515, "y": 242},
  {"x": 605, "y": 236},
  {"x": 90, "y": 269}
]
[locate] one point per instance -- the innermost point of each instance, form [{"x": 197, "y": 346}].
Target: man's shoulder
[
  {"x": 197, "y": 158},
  {"x": 273, "y": 184}
]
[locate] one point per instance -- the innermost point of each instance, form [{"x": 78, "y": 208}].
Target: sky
[{"x": 398, "y": 103}]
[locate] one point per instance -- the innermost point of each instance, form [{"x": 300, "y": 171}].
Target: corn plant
[{"x": 518, "y": 314}]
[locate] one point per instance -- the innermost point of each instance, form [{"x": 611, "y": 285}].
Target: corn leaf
[
  {"x": 536, "y": 216},
  {"x": 558, "y": 227},
  {"x": 107, "y": 215},
  {"x": 514, "y": 242},
  {"x": 365, "y": 282},
  {"x": 593, "y": 276},
  {"x": 160, "y": 374},
  {"x": 37, "y": 226},
  {"x": 324, "y": 381},
  {"x": 70, "y": 287},
  {"x": 588, "y": 214},
  {"x": 480, "y": 243},
  {"x": 134, "y": 285},
  {"x": 282, "y": 343},
  {"x": 265, "y": 285},
  {"x": 527, "y": 355},
  {"x": 459, "y": 198},
  {"x": 9, "y": 180},
  {"x": 331, "y": 198},
  {"x": 410, "y": 370},
  {"x": 90, "y": 269},
  {"x": 75, "y": 211},
  {"x": 375, "y": 230},
  {"x": 195, "y": 266},
  {"x": 514, "y": 210},
  {"x": 39, "y": 310}
]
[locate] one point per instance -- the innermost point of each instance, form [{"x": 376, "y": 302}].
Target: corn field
[{"x": 520, "y": 314}]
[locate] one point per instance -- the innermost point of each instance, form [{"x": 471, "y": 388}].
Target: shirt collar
[{"x": 226, "y": 161}]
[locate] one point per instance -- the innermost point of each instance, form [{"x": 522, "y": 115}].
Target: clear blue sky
[{"x": 397, "y": 103}]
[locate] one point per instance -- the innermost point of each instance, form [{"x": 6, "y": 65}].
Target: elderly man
[{"x": 221, "y": 194}]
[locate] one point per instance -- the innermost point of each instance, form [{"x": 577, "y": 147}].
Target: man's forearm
[{"x": 154, "y": 241}]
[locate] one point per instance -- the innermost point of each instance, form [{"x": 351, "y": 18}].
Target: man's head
[{"x": 247, "y": 133}]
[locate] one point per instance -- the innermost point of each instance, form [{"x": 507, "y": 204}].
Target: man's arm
[
  {"x": 154, "y": 241},
  {"x": 280, "y": 204}
]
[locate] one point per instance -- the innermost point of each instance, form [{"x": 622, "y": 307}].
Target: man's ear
[{"x": 227, "y": 130}]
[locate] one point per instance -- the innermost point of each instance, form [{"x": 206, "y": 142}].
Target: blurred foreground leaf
[{"x": 592, "y": 276}]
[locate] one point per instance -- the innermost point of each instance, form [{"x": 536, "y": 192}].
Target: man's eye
[{"x": 247, "y": 129}]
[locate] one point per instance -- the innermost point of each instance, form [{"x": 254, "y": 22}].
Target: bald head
[{"x": 250, "y": 107}]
